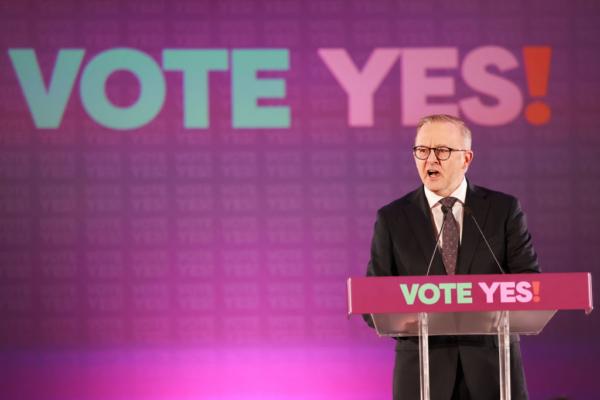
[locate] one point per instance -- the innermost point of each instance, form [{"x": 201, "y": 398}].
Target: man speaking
[{"x": 461, "y": 367}]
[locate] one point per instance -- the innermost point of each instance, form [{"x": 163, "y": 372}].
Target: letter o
[
  {"x": 93, "y": 88},
  {"x": 435, "y": 293}
]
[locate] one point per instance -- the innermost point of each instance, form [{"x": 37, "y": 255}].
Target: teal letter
[
  {"x": 47, "y": 106},
  {"x": 463, "y": 291},
  {"x": 93, "y": 93},
  {"x": 195, "y": 65},
  {"x": 247, "y": 89},
  {"x": 447, "y": 288},
  {"x": 435, "y": 293},
  {"x": 409, "y": 294}
]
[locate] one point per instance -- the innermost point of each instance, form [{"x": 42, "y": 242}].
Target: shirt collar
[{"x": 460, "y": 193}]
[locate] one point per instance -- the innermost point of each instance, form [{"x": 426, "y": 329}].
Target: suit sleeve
[
  {"x": 520, "y": 254},
  {"x": 381, "y": 262}
]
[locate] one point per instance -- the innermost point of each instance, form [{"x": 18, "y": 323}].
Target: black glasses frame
[{"x": 436, "y": 151}]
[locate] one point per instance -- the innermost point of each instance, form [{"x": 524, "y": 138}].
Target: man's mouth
[{"x": 432, "y": 173}]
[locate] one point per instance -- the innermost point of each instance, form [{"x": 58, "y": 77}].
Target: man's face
[{"x": 442, "y": 177}]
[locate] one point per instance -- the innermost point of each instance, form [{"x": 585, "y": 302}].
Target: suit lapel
[
  {"x": 471, "y": 238},
  {"x": 419, "y": 217}
]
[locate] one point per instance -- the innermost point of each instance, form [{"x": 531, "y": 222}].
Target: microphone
[
  {"x": 469, "y": 212},
  {"x": 437, "y": 239}
]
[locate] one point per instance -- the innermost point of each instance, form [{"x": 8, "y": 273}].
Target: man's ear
[{"x": 468, "y": 157}]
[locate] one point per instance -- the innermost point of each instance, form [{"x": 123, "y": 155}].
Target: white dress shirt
[{"x": 436, "y": 207}]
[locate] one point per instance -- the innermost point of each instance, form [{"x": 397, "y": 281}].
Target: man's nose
[{"x": 432, "y": 157}]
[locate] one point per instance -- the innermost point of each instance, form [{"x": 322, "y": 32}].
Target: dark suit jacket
[{"x": 403, "y": 242}]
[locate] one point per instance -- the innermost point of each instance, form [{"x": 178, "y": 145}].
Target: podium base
[{"x": 503, "y": 330}]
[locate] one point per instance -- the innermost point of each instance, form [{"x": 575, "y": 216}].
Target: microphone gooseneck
[
  {"x": 437, "y": 239},
  {"x": 469, "y": 212}
]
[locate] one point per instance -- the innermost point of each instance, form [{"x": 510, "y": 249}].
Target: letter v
[
  {"x": 47, "y": 106},
  {"x": 409, "y": 294}
]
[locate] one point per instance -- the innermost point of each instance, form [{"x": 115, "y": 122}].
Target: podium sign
[
  {"x": 467, "y": 305},
  {"x": 463, "y": 293}
]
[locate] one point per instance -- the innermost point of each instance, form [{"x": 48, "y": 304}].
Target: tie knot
[{"x": 448, "y": 202}]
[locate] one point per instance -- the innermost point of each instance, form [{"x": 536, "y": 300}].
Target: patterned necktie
[{"x": 450, "y": 235}]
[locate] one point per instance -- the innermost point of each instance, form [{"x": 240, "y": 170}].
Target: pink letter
[
  {"x": 507, "y": 292},
  {"x": 489, "y": 291},
  {"x": 418, "y": 86},
  {"x": 508, "y": 100},
  {"x": 524, "y": 292},
  {"x": 359, "y": 85}
]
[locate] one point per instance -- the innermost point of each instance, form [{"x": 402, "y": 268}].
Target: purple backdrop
[{"x": 164, "y": 263}]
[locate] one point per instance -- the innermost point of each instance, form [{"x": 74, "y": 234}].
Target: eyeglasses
[{"x": 441, "y": 153}]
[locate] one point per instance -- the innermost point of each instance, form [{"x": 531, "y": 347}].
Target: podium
[{"x": 467, "y": 305}]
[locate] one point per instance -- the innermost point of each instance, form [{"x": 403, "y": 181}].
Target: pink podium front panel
[{"x": 470, "y": 293}]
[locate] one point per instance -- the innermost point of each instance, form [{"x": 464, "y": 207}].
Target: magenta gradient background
[{"x": 211, "y": 264}]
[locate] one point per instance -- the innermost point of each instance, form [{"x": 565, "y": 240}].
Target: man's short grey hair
[{"x": 464, "y": 129}]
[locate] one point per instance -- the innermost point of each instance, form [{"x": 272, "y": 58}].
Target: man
[{"x": 461, "y": 367}]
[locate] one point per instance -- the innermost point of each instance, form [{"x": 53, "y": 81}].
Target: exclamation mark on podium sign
[
  {"x": 536, "y": 291},
  {"x": 537, "y": 71}
]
